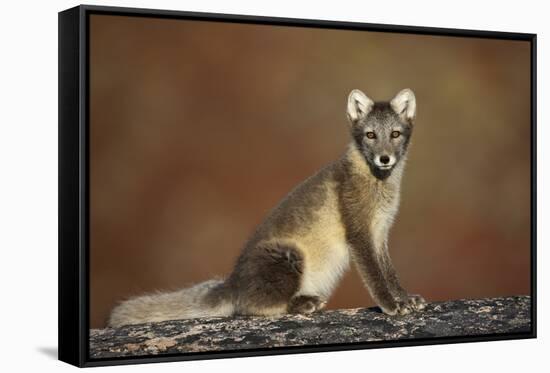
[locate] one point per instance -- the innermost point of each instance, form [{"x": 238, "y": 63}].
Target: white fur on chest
[
  {"x": 381, "y": 222},
  {"x": 323, "y": 270}
]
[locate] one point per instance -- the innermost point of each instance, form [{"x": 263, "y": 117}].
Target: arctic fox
[{"x": 295, "y": 258}]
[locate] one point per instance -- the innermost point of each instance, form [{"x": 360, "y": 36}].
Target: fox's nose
[{"x": 384, "y": 159}]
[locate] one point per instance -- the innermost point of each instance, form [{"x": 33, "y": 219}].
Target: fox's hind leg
[{"x": 266, "y": 278}]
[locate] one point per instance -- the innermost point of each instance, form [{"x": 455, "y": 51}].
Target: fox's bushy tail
[{"x": 191, "y": 302}]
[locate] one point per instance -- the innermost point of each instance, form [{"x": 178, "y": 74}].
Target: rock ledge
[{"x": 444, "y": 319}]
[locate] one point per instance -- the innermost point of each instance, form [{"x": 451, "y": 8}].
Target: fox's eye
[
  {"x": 395, "y": 134},
  {"x": 371, "y": 135}
]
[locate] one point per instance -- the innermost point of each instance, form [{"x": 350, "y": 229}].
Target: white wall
[{"x": 28, "y": 185}]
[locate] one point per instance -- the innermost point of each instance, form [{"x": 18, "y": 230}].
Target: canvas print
[{"x": 257, "y": 187}]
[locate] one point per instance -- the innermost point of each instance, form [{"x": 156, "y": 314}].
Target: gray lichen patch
[{"x": 445, "y": 319}]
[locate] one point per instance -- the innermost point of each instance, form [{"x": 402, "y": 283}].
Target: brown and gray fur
[{"x": 296, "y": 257}]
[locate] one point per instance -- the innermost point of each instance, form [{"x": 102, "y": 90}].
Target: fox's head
[{"x": 382, "y": 130}]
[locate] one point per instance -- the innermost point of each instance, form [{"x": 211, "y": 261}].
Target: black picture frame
[{"x": 74, "y": 180}]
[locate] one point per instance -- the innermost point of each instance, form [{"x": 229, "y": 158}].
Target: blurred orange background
[{"x": 199, "y": 128}]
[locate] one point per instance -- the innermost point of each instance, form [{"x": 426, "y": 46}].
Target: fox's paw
[
  {"x": 403, "y": 308},
  {"x": 416, "y": 302},
  {"x": 400, "y": 307},
  {"x": 305, "y": 304}
]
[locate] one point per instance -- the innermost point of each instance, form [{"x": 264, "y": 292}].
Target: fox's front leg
[
  {"x": 368, "y": 261},
  {"x": 415, "y": 301}
]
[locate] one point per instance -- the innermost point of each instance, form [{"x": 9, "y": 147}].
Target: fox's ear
[
  {"x": 404, "y": 104},
  {"x": 359, "y": 105}
]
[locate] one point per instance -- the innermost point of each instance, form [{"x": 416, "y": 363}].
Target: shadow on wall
[{"x": 198, "y": 129}]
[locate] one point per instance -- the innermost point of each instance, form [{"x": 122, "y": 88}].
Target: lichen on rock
[{"x": 442, "y": 319}]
